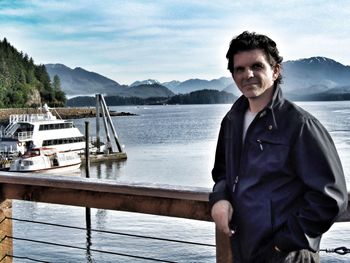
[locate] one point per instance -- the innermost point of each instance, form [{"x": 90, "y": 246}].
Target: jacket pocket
[{"x": 268, "y": 154}]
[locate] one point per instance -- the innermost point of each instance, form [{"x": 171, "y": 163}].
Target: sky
[{"x": 169, "y": 39}]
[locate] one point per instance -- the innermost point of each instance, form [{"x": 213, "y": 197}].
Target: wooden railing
[{"x": 165, "y": 200}]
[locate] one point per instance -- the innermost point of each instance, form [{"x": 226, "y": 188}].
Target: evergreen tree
[
  {"x": 60, "y": 97},
  {"x": 19, "y": 77}
]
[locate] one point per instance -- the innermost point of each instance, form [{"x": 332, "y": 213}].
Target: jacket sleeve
[
  {"x": 317, "y": 164},
  {"x": 219, "y": 171}
]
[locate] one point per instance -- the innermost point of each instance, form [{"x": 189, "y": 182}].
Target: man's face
[{"x": 252, "y": 73}]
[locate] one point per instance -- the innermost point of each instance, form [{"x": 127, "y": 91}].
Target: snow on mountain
[{"x": 145, "y": 82}]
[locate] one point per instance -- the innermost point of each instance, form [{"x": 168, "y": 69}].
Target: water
[{"x": 165, "y": 145}]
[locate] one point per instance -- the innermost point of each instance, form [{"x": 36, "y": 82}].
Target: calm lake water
[{"x": 165, "y": 145}]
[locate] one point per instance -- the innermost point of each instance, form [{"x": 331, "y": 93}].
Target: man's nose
[{"x": 249, "y": 73}]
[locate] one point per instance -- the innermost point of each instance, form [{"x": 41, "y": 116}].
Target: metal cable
[
  {"x": 91, "y": 250},
  {"x": 338, "y": 250},
  {"x": 111, "y": 232}
]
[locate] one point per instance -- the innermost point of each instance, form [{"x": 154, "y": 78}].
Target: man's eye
[
  {"x": 257, "y": 66},
  {"x": 238, "y": 70}
]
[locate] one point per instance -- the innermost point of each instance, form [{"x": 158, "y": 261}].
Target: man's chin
[{"x": 250, "y": 92}]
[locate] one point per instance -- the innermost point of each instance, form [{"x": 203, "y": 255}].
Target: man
[{"x": 279, "y": 183}]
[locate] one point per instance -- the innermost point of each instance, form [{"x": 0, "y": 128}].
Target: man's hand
[{"x": 222, "y": 214}]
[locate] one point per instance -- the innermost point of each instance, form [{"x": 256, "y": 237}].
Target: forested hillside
[
  {"x": 203, "y": 97},
  {"x": 22, "y": 83}
]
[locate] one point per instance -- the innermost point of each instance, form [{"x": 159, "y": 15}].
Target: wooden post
[
  {"x": 104, "y": 105},
  {"x": 87, "y": 150},
  {"x": 87, "y": 209},
  {"x": 6, "y": 245},
  {"x": 98, "y": 141},
  {"x": 223, "y": 248},
  {"x": 109, "y": 144}
]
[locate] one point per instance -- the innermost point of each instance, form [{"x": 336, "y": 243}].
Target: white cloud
[{"x": 132, "y": 40}]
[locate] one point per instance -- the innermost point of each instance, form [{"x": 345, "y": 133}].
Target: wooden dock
[{"x": 102, "y": 157}]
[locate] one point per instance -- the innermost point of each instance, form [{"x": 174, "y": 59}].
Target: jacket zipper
[
  {"x": 234, "y": 184},
  {"x": 260, "y": 144}
]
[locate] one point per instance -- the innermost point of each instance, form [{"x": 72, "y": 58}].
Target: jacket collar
[
  {"x": 277, "y": 98},
  {"x": 242, "y": 104}
]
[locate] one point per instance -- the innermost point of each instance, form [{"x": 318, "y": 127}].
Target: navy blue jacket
[{"x": 285, "y": 181}]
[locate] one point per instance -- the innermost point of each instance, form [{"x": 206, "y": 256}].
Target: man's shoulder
[
  {"x": 293, "y": 117},
  {"x": 292, "y": 110}
]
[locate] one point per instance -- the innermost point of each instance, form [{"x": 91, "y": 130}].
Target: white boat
[
  {"x": 27, "y": 131},
  {"x": 46, "y": 160}
]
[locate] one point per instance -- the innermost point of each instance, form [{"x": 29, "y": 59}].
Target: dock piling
[
  {"x": 6, "y": 244},
  {"x": 98, "y": 124}
]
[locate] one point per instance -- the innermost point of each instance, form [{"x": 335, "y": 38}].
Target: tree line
[
  {"x": 195, "y": 97},
  {"x": 23, "y": 84}
]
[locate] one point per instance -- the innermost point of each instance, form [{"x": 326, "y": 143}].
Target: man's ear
[{"x": 276, "y": 71}]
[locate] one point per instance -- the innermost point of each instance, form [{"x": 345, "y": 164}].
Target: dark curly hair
[{"x": 249, "y": 41}]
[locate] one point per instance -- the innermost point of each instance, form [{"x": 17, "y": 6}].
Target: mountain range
[{"x": 307, "y": 78}]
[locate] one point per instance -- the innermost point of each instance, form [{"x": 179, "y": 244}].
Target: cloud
[{"x": 165, "y": 39}]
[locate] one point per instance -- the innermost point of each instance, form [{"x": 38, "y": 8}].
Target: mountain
[
  {"x": 146, "y": 82},
  {"x": 79, "y": 81},
  {"x": 171, "y": 84},
  {"x": 147, "y": 91},
  {"x": 302, "y": 79},
  {"x": 198, "y": 84},
  {"x": 232, "y": 88},
  {"x": 314, "y": 75}
]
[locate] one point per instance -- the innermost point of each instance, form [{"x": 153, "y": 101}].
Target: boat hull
[
  {"x": 61, "y": 169},
  {"x": 46, "y": 160}
]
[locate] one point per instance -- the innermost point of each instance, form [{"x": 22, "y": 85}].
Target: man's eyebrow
[
  {"x": 238, "y": 67},
  {"x": 258, "y": 63}
]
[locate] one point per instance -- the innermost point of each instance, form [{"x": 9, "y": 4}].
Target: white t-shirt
[{"x": 248, "y": 118}]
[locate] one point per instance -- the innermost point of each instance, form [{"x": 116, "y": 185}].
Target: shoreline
[{"x": 64, "y": 113}]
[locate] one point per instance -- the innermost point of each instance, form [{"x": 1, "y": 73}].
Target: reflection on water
[{"x": 104, "y": 170}]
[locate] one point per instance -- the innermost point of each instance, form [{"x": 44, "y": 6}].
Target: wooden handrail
[
  {"x": 108, "y": 186},
  {"x": 177, "y": 201},
  {"x": 166, "y": 200}
]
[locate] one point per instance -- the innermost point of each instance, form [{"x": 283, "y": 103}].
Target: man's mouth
[{"x": 249, "y": 84}]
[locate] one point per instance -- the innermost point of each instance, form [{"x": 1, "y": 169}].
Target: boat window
[
  {"x": 54, "y": 126},
  {"x": 27, "y": 163},
  {"x": 63, "y": 141},
  {"x": 24, "y": 127}
]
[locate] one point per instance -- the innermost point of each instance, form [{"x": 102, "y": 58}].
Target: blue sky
[{"x": 169, "y": 39}]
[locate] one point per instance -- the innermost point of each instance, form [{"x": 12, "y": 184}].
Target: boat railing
[
  {"x": 7, "y": 129},
  {"x": 26, "y": 135},
  {"x": 14, "y": 118},
  {"x": 162, "y": 200}
]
